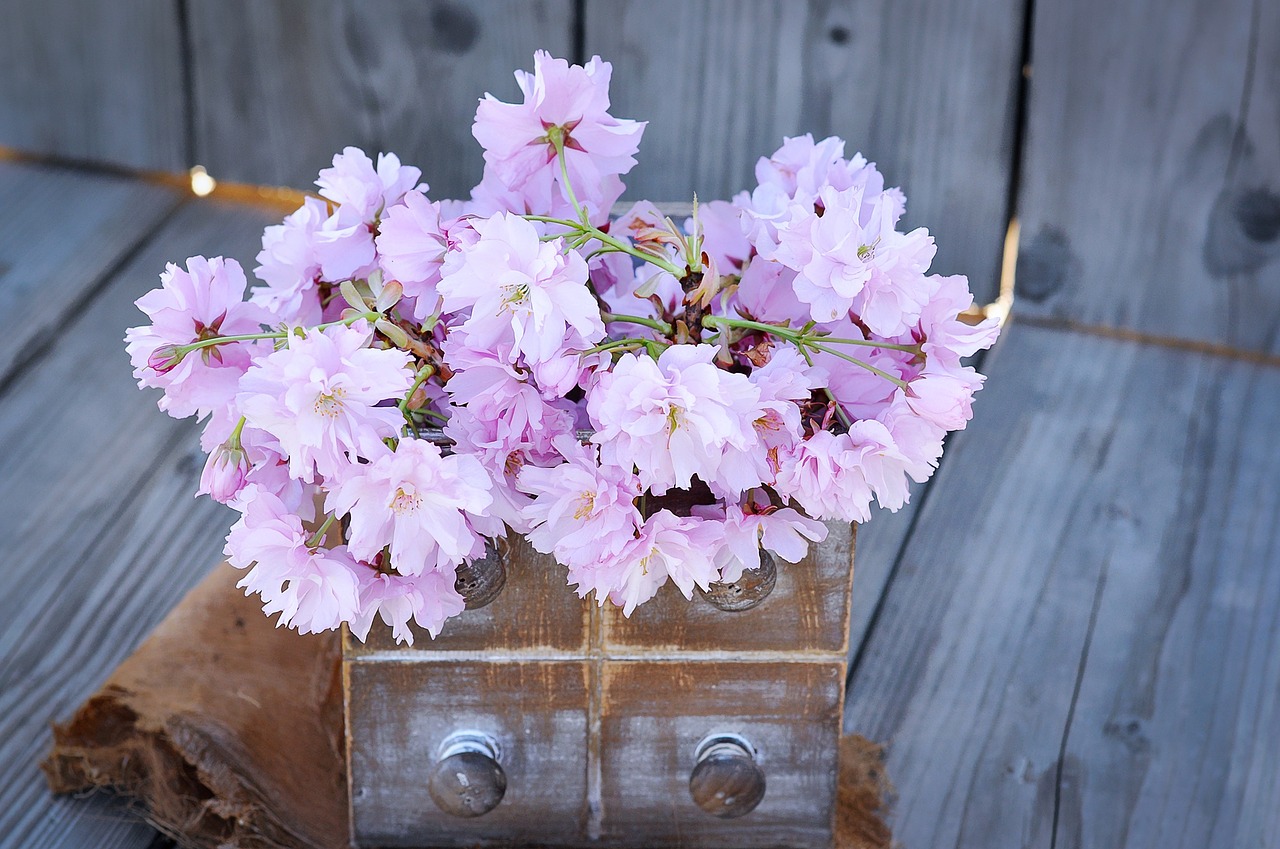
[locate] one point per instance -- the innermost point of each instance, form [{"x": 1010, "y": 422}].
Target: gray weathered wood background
[{"x": 1071, "y": 638}]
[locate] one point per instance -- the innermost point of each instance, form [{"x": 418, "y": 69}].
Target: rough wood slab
[
  {"x": 101, "y": 529},
  {"x": 1081, "y": 643},
  {"x": 283, "y": 85},
  {"x": 64, "y": 232},
  {"x": 97, "y": 80},
  {"x": 1151, "y": 190},
  {"x": 925, "y": 89}
]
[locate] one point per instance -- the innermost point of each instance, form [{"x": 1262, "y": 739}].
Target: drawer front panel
[
  {"x": 535, "y": 613},
  {"x": 399, "y": 714},
  {"x": 654, "y": 714},
  {"x": 808, "y": 610}
]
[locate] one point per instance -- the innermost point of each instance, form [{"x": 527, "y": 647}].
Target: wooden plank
[
  {"x": 926, "y": 90},
  {"x": 61, "y": 232},
  {"x": 99, "y": 80},
  {"x": 1151, "y": 190},
  {"x": 101, "y": 529},
  {"x": 1083, "y": 629},
  {"x": 283, "y": 85}
]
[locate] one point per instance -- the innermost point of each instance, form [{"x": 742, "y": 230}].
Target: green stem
[
  {"x": 605, "y": 239},
  {"x": 558, "y": 140},
  {"x": 660, "y": 326},
  {"x": 879, "y": 373},
  {"x": 418, "y": 379},
  {"x": 803, "y": 340},
  {"x": 183, "y": 350},
  {"x": 318, "y": 536}
]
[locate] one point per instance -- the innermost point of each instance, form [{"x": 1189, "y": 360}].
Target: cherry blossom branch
[
  {"x": 804, "y": 340},
  {"x": 660, "y": 326},
  {"x": 318, "y": 536}
]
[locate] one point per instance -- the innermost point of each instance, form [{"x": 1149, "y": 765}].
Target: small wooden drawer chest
[{"x": 544, "y": 719}]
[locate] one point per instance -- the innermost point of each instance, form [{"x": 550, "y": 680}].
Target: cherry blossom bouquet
[{"x": 415, "y": 378}]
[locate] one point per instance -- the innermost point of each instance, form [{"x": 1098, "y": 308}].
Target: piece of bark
[{"x": 229, "y": 731}]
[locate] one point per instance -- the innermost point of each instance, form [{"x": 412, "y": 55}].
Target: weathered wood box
[{"x": 598, "y": 722}]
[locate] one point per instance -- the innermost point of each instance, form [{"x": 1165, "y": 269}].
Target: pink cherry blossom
[
  {"x": 943, "y": 395},
  {"x": 526, "y": 296},
  {"x": 413, "y": 239},
  {"x": 582, "y": 512},
  {"x": 312, "y": 588},
  {"x": 785, "y": 533},
  {"x": 289, "y": 265},
  {"x": 201, "y": 302},
  {"x": 320, "y": 396},
  {"x": 673, "y": 417},
  {"x": 416, "y": 501},
  {"x": 669, "y": 547},
  {"x": 225, "y": 473},
  {"x": 572, "y": 102},
  {"x": 429, "y": 599},
  {"x": 363, "y": 191}
]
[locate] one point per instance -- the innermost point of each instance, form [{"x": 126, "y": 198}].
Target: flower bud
[
  {"x": 393, "y": 332},
  {"x": 389, "y": 296},
  {"x": 352, "y": 295},
  {"x": 224, "y": 472},
  {"x": 165, "y": 358}
]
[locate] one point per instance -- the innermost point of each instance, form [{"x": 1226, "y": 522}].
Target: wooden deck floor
[{"x": 1072, "y": 638}]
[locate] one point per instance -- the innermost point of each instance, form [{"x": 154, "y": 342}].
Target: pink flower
[
  {"x": 526, "y": 296},
  {"x": 202, "y": 302},
  {"x": 724, "y": 237},
  {"x": 568, "y": 101},
  {"x": 502, "y": 419},
  {"x": 428, "y": 599},
  {"x": 320, "y": 397},
  {"x": 943, "y": 395},
  {"x": 944, "y": 335},
  {"x": 225, "y": 473},
  {"x": 668, "y": 548},
  {"x": 834, "y": 476},
  {"x": 672, "y": 418},
  {"x": 582, "y": 512},
  {"x": 412, "y": 242},
  {"x": 363, "y": 191},
  {"x": 417, "y": 501},
  {"x": 290, "y": 267},
  {"x": 312, "y": 588},
  {"x": 785, "y": 533}
]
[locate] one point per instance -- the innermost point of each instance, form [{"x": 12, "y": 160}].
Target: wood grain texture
[
  {"x": 63, "y": 233},
  {"x": 102, "y": 532},
  {"x": 283, "y": 85},
  {"x": 654, "y": 716},
  {"x": 1082, "y": 634},
  {"x": 924, "y": 89},
  {"x": 398, "y": 714},
  {"x": 96, "y": 80},
  {"x": 1151, "y": 190},
  {"x": 808, "y": 611}
]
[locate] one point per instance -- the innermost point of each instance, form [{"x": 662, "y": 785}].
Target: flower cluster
[{"x": 414, "y": 378}]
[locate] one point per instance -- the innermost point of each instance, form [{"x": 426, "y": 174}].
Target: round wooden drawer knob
[
  {"x": 749, "y": 590},
  {"x": 481, "y": 581},
  {"x": 467, "y": 780},
  {"x": 726, "y": 781}
]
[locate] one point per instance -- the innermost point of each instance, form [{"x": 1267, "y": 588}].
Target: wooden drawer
[
  {"x": 655, "y": 713},
  {"x": 399, "y": 713},
  {"x": 808, "y": 611},
  {"x": 536, "y": 613}
]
